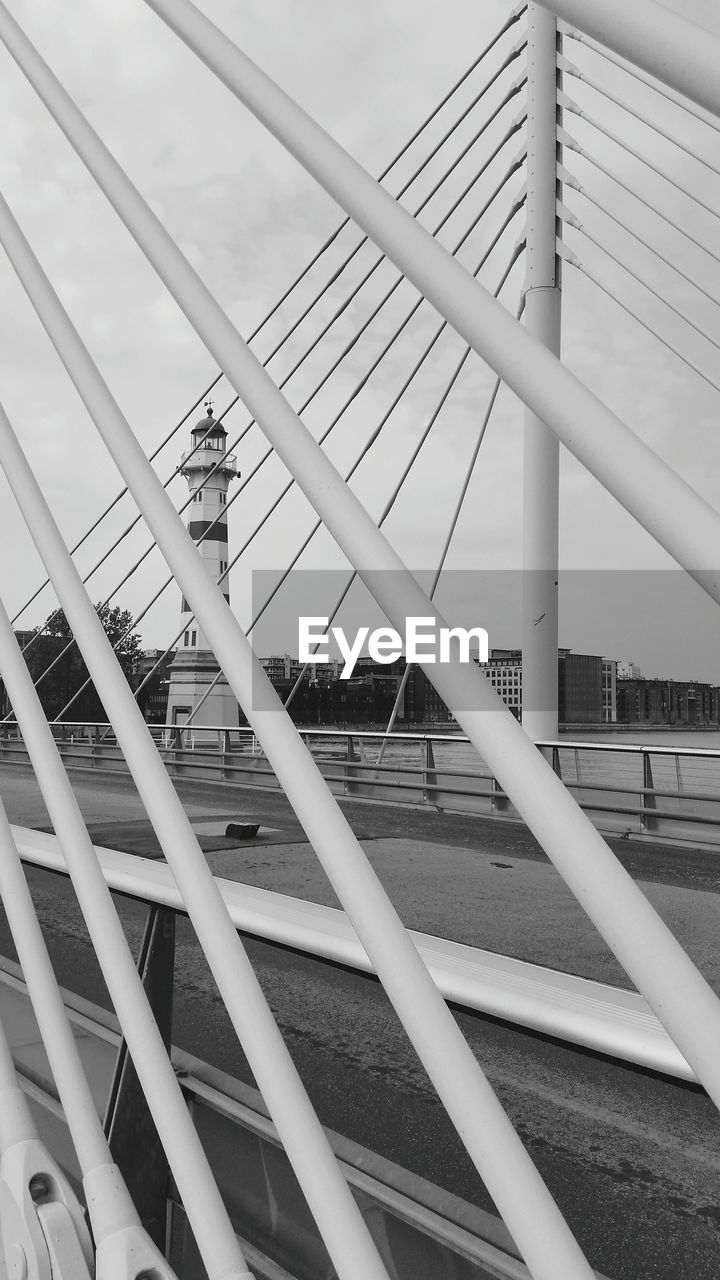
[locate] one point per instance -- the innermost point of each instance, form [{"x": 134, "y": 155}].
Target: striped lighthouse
[{"x": 209, "y": 474}]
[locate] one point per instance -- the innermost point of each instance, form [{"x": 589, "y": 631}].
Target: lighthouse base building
[
  {"x": 191, "y": 675},
  {"x": 198, "y": 692}
]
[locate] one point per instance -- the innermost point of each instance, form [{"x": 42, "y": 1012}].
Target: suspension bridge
[{"x": 122, "y": 1156}]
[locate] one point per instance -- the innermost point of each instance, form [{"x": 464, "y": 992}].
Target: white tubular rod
[
  {"x": 67, "y": 1069},
  {"x": 206, "y": 1212},
  {"x": 541, "y": 449},
  {"x": 677, "y": 52},
  {"x": 570, "y": 69},
  {"x": 677, "y": 99},
  {"x": 641, "y": 941},
  {"x": 666, "y": 507}
]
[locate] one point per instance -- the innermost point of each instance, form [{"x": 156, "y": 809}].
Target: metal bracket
[{"x": 42, "y": 1226}]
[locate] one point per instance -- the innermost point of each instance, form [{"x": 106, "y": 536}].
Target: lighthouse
[{"x": 209, "y": 474}]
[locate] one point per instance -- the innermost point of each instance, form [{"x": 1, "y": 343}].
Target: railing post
[
  {"x": 541, "y": 449},
  {"x": 647, "y": 795},
  {"x": 429, "y": 776},
  {"x": 131, "y": 1132}
]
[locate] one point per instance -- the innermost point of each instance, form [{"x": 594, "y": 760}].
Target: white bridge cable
[
  {"x": 641, "y": 941},
  {"x": 681, "y": 521},
  {"x": 569, "y": 68},
  {"x": 517, "y": 202},
  {"x": 512, "y": 1179},
  {"x": 567, "y": 104},
  {"x": 663, "y": 90},
  {"x": 361, "y": 456},
  {"x": 337, "y": 271},
  {"x": 446, "y": 545},
  {"x": 566, "y": 139},
  {"x": 569, "y": 180},
  {"x": 111, "y": 1210},
  {"x": 349, "y": 346},
  {"x": 667, "y": 507},
  {"x": 569, "y": 256},
  {"x": 678, "y": 52},
  {"x": 569, "y": 219},
  {"x": 458, "y": 507}
]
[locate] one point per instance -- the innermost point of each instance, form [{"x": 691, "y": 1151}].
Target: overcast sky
[{"x": 249, "y": 219}]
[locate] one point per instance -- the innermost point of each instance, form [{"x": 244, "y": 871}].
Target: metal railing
[{"x": 663, "y": 793}]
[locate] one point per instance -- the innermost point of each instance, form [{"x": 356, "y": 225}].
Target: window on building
[
  {"x": 193, "y": 640},
  {"x": 223, "y": 566},
  {"x": 187, "y": 639},
  {"x": 223, "y": 498}
]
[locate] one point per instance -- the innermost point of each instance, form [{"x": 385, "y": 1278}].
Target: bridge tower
[{"x": 209, "y": 474}]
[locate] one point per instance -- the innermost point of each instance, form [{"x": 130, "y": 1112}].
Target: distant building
[
  {"x": 504, "y": 671},
  {"x": 153, "y": 697},
  {"x": 579, "y": 688},
  {"x": 645, "y": 701},
  {"x": 586, "y": 685}
]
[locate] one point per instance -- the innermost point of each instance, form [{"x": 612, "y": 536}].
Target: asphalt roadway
[{"x": 632, "y": 1159}]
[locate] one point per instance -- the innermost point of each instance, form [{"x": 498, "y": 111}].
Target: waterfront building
[{"x": 645, "y": 701}]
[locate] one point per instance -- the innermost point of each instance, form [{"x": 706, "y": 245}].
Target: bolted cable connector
[
  {"x": 40, "y": 1215},
  {"x": 563, "y": 251},
  {"x": 568, "y": 179},
  {"x": 565, "y": 65},
  {"x": 566, "y": 140},
  {"x": 567, "y": 216},
  {"x": 568, "y": 104}
]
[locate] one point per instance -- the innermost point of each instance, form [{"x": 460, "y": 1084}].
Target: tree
[{"x": 66, "y": 671}]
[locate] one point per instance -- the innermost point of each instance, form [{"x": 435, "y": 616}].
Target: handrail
[
  {"x": 652, "y": 748},
  {"x": 613, "y": 1020}
]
